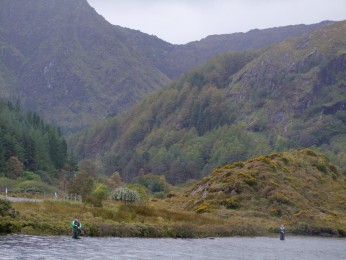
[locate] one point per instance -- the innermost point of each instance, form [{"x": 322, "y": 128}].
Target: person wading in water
[
  {"x": 76, "y": 228},
  {"x": 282, "y": 232}
]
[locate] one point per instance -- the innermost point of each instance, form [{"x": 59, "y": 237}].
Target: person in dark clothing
[
  {"x": 282, "y": 232},
  {"x": 76, "y": 228}
]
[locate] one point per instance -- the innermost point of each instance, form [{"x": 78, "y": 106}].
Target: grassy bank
[
  {"x": 150, "y": 219},
  {"x": 122, "y": 220},
  {"x": 300, "y": 189}
]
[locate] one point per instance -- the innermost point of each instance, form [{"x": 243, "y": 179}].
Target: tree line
[{"x": 28, "y": 143}]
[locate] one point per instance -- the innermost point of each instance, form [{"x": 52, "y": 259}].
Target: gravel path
[{"x": 14, "y": 199}]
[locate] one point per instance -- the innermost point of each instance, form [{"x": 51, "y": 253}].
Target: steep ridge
[
  {"x": 299, "y": 95},
  {"x": 71, "y": 65},
  {"x": 199, "y": 52},
  {"x": 237, "y": 106}
]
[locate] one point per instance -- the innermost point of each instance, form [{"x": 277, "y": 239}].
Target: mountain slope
[
  {"x": 70, "y": 64},
  {"x": 63, "y": 60},
  {"x": 235, "y": 107},
  {"x": 297, "y": 74}
]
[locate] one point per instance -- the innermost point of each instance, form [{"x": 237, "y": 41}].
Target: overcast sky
[{"x": 182, "y": 21}]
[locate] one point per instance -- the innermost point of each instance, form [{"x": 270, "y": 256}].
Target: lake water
[{"x": 37, "y": 247}]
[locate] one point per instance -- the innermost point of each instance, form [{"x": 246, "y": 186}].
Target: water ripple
[{"x": 49, "y": 247}]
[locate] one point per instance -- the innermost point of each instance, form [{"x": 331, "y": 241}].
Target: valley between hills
[{"x": 232, "y": 135}]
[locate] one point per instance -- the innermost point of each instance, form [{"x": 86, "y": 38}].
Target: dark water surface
[{"x": 37, "y": 247}]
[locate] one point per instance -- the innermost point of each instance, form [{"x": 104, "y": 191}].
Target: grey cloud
[{"x": 181, "y": 21}]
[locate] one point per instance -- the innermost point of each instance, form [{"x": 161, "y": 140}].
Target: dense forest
[
  {"x": 237, "y": 106},
  {"x": 29, "y": 144},
  {"x": 197, "y": 136},
  {"x": 183, "y": 132}
]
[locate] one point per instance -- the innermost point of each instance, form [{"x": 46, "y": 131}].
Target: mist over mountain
[{"x": 66, "y": 62}]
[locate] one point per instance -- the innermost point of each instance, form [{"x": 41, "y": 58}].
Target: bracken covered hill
[{"x": 301, "y": 188}]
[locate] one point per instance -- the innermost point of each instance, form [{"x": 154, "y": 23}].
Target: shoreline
[
  {"x": 194, "y": 238},
  {"x": 153, "y": 220},
  {"x": 140, "y": 230}
]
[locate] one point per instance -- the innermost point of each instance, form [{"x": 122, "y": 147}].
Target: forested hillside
[
  {"x": 28, "y": 144},
  {"x": 235, "y": 107},
  {"x": 67, "y": 63}
]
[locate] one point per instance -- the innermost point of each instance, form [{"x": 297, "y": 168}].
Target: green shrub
[
  {"x": 322, "y": 167},
  {"x": 142, "y": 191},
  {"x": 250, "y": 181},
  {"x": 34, "y": 187},
  {"x": 30, "y": 176},
  {"x": 154, "y": 183},
  {"x": 6, "y": 208},
  {"x": 125, "y": 194},
  {"x": 342, "y": 232},
  {"x": 160, "y": 195},
  {"x": 231, "y": 203},
  {"x": 171, "y": 195},
  {"x": 45, "y": 177},
  {"x": 6, "y": 183},
  {"x": 101, "y": 191},
  {"x": 99, "y": 194},
  {"x": 92, "y": 201},
  {"x": 201, "y": 209},
  {"x": 285, "y": 160},
  {"x": 183, "y": 231},
  {"x": 82, "y": 184},
  {"x": 309, "y": 152},
  {"x": 7, "y": 225},
  {"x": 281, "y": 198}
]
